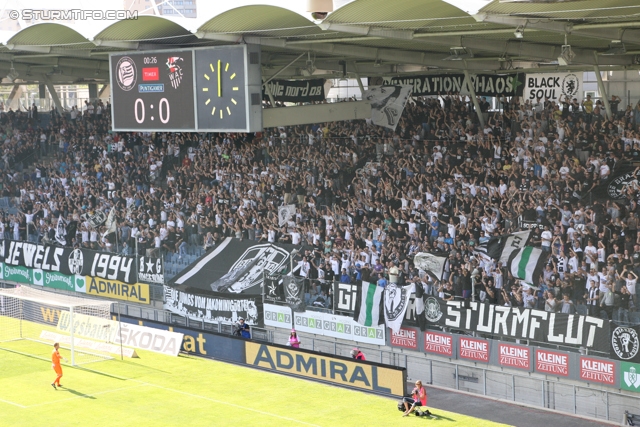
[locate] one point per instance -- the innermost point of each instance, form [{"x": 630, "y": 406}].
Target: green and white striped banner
[{"x": 527, "y": 263}]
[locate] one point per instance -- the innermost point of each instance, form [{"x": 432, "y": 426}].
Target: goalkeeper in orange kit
[{"x": 55, "y": 364}]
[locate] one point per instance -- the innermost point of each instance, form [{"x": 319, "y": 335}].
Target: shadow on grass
[{"x": 77, "y": 393}]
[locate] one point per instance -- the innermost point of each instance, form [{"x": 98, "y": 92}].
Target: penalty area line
[
  {"x": 228, "y": 404},
  {"x": 8, "y": 402},
  {"x": 83, "y": 396}
]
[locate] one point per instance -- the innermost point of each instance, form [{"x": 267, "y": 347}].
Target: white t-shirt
[
  {"x": 546, "y": 238},
  {"x": 631, "y": 286}
]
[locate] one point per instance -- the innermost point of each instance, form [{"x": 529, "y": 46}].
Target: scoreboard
[{"x": 205, "y": 90}]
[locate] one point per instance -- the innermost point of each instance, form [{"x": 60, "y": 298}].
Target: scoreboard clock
[
  {"x": 210, "y": 89},
  {"x": 152, "y": 91},
  {"x": 228, "y": 89}
]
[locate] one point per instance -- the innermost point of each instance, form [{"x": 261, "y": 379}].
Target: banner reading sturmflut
[{"x": 521, "y": 323}]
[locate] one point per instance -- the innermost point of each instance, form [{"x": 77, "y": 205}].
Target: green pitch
[{"x": 158, "y": 390}]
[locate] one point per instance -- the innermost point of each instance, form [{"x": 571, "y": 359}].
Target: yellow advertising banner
[
  {"x": 370, "y": 377},
  {"x": 138, "y": 292}
]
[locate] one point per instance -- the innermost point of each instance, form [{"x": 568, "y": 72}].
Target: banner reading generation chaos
[
  {"x": 68, "y": 261},
  {"x": 484, "y": 84}
]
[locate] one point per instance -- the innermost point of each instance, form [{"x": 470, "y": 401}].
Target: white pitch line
[
  {"x": 12, "y": 403},
  {"x": 244, "y": 408},
  {"x": 83, "y": 396}
]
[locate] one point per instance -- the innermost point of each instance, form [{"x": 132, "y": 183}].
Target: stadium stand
[{"x": 365, "y": 198}]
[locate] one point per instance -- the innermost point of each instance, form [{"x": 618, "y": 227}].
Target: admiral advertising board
[
  {"x": 405, "y": 338},
  {"x": 473, "y": 349},
  {"x": 552, "y": 362},
  {"x": 514, "y": 356},
  {"x": 438, "y": 343},
  {"x": 137, "y": 292},
  {"x": 363, "y": 375}
]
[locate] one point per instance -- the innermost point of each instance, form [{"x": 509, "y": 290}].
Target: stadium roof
[{"x": 363, "y": 37}]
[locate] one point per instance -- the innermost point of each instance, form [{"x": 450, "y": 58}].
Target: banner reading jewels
[
  {"x": 214, "y": 306},
  {"x": 520, "y": 323},
  {"x": 68, "y": 261},
  {"x": 484, "y": 84}
]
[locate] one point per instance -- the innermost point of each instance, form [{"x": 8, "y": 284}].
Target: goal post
[{"x": 81, "y": 325}]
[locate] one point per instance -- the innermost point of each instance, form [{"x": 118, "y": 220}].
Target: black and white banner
[
  {"x": 285, "y": 213},
  {"x": 150, "y": 270},
  {"x": 625, "y": 343},
  {"x": 432, "y": 264},
  {"x": 387, "y": 104},
  {"x": 295, "y": 90},
  {"x": 346, "y": 295},
  {"x": 484, "y": 84},
  {"x": 214, "y": 307},
  {"x": 553, "y": 86},
  {"x": 69, "y": 261},
  {"x": 294, "y": 292},
  {"x": 236, "y": 266},
  {"x": 396, "y": 302},
  {"x": 273, "y": 291},
  {"x": 520, "y": 323}
]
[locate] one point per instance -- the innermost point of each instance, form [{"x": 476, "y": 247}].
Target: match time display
[{"x": 153, "y": 90}]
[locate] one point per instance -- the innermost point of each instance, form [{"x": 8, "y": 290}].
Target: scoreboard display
[{"x": 210, "y": 90}]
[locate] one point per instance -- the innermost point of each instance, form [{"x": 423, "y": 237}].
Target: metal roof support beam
[
  {"x": 539, "y": 24},
  {"x": 277, "y": 73},
  {"x": 354, "y": 51},
  {"x": 474, "y": 98},
  {"x": 605, "y": 95},
  {"x": 29, "y": 48},
  {"x": 117, "y": 44},
  {"x": 54, "y": 94},
  {"x": 387, "y": 33},
  {"x": 358, "y": 79}
]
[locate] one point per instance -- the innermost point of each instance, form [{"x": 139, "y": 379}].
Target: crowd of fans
[{"x": 367, "y": 199}]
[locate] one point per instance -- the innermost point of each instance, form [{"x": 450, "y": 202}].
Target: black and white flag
[
  {"x": 111, "y": 222},
  {"x": 61, "y": 231},
  {"x": 432, "y": 264},
  {"x": 285, "y": 213},
  {"x": 95, "y": 220},
  {"x": 387, "y": 104},
  {"x": 294, "y": 293},
  {"x": 499, "y": 248},
  {"x": 396, "y": 301}
]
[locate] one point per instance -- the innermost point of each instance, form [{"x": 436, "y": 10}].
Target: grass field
[{"x": 157, "y": 390}]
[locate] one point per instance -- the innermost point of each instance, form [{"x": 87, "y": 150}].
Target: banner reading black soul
[
  {"x": 214, "y": 307},
  {"x": 520, "y": 323},
  {"x": 484, "y": 84},
  {"x": 295, "y": 90},
  {"x": 236, "y": 266},
  {"x": 69, "y": 261}
]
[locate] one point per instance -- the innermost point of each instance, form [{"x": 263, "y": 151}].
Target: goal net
[{"x": 32, "y": 317}]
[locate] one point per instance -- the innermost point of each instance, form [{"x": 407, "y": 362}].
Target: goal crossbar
[{"x": 23, "y": 318}]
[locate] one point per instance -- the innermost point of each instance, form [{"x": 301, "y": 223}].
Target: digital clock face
[{"x": 152, "y": 91}]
